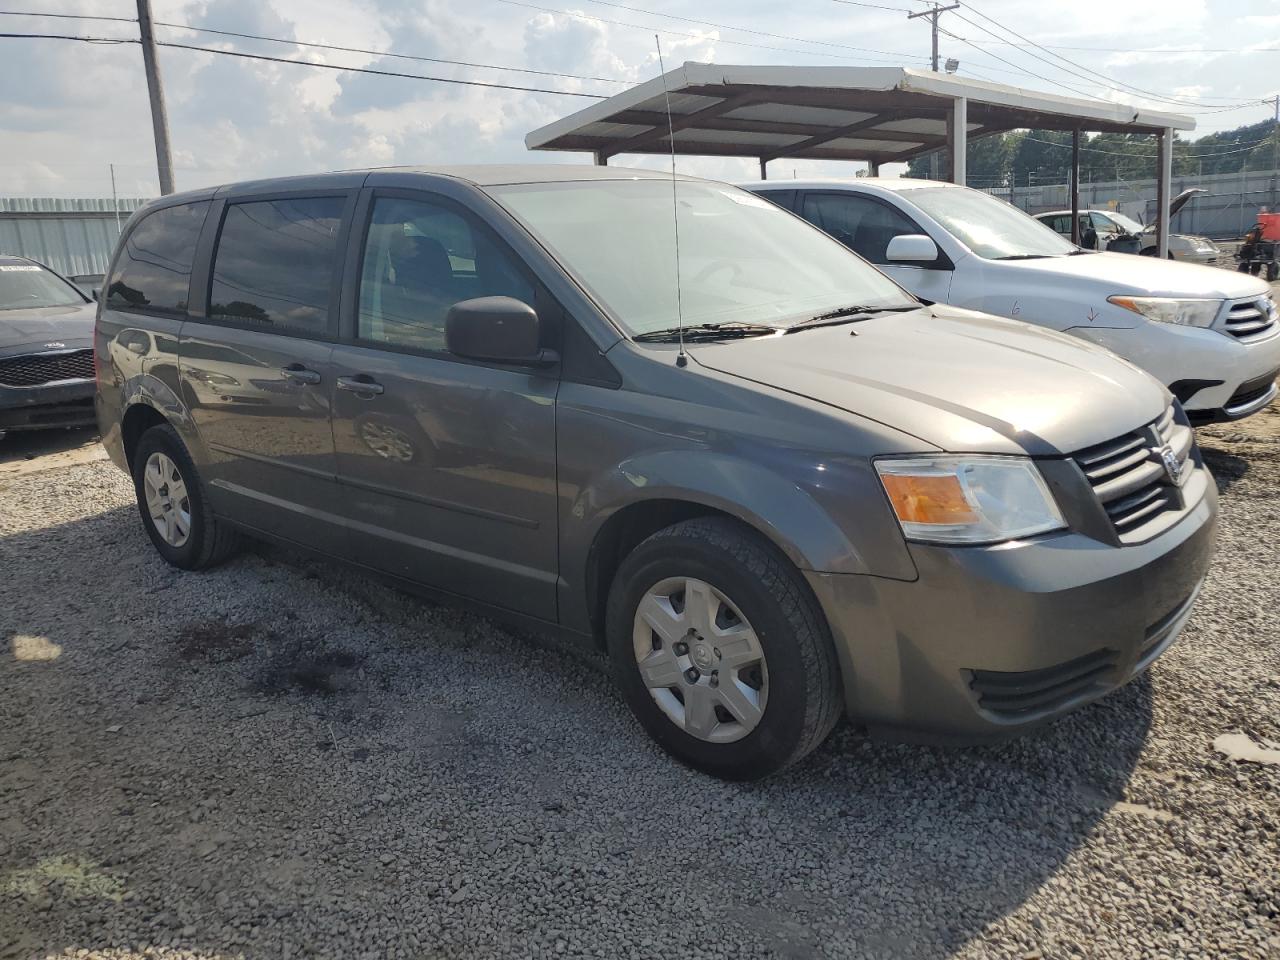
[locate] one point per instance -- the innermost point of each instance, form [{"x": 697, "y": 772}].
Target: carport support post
[
  {"x": 1162, "y": 195},
  {"x": 1075, "y": 187},
  {"x": 764, "y": 173},
  {"x": 601, "y": 158},
  {"x": 873, "y": 168},
  {"x": 958, "y": 138}
]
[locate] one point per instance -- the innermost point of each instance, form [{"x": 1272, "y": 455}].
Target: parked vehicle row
[
  {"x": 773, "y": 484},
  {"x": 1211, "y": 336},
  {"x": 1119, "y": 233}
]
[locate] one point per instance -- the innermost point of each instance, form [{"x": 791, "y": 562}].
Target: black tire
[
  {"x": 211, "y": 540},
  {"x": 1255, "y": 269},
  {"x": 1273, "y": 271},
  {"x": 804, "y": 699}
]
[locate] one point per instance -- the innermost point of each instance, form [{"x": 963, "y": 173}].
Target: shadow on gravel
[
  {"x": 1226, "y": 467},
  {"x": 472, "y": 762}
]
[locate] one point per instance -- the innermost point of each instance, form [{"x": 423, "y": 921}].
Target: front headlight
[
  {"x": 1188, "y": 313},
  {"x": 968, "y": 499}
]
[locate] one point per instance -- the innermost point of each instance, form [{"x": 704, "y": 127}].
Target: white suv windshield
[
  {"x": 742, "y": 259},
  {"x": 989, "y": 227}
]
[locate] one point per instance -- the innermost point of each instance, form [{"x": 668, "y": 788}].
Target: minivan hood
[
  {"x": 71, "y": 325},
  {"x": 1149, "y": 276},
  {"x": 960, "y": 381}
]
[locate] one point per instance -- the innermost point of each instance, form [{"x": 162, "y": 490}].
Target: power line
[
  {"x": 1066, "y": 86},
  {"x": 875, "y": 6},
  {"x": 65, "y": 16},
  {"x": 384, "y": 53},
  {"x": 757, "y": 33},
  {"x": 1085, "y": 76},
  {"x": 1143, "y": 50},
  {"x": 64, "y": 36},
  {"x": 312, "y": 63},
  {"x": 379, "y": 73},
  {"x": 694, "y": 36}
]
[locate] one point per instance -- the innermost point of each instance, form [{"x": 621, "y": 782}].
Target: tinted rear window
[
  {"x": 275, "y": 263},
  {"x": 153, "y": 271}
]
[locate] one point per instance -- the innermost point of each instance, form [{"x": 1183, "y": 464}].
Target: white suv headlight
[
  {"x": 968, "y": 499},
  {"x": 1188, "y": 313}
]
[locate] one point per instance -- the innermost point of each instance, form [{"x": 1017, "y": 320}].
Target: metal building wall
[{"x": 73, "y": 236}]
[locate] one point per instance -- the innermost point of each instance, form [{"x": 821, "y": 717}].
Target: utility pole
[
  {"x": 933, "y": 19},
  {"x": 159, "y": 118}
]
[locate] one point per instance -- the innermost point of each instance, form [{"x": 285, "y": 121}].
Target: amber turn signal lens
[{"x": 928, "y": 499}]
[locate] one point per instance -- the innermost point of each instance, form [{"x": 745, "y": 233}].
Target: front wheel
[
  {"x": 721, "y": 650},
  {"x": 172, "y": 503}
]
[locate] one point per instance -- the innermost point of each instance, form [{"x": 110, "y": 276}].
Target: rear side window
[
  {"x": 153, "y": 271},
  {"x": 274, "y": 265},
  {"x": 866, "y": 226}
]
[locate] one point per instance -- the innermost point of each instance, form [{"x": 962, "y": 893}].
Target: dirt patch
[
  {"x": 215, "y": 641},
  {"x": 322, "y": 672}
]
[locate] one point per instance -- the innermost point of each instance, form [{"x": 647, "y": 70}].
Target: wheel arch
[{"x": 632, "y": 503}]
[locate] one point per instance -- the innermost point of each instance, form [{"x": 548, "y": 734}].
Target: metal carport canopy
[{"x": 876, "y": 114}]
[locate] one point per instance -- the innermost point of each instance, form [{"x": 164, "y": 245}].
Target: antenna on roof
[{"x": 681, "y": 359}]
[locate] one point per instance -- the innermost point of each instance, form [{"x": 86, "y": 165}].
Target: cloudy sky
[{"x": 69, "y": 109}]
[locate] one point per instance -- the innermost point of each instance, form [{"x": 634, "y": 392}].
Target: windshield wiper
[
  {"x": 729, "y": 330},
  {"x": 1025, "y": 256},
  {"x": 851, "y": 314}
]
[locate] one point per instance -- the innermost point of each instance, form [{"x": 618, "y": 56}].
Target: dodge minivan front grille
[
  {"x": 37, "y": 369},
  {"x": 1252, "y": 319},
  {"x": 1137, "y": 477}
]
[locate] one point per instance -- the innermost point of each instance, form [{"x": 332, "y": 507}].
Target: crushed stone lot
[{"x": 280, "y": 759}]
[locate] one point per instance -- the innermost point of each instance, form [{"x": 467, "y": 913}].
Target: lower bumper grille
[
  {"x": 38, "y": 369},
  {"x": 1023, "y": 695}
]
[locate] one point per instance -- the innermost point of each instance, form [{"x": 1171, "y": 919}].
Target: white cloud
[{"x": 80, "y": 107}]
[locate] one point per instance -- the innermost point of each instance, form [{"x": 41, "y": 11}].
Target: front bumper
[
  {"x": 992, "y": 640},
  {"x": 1206, "y": 369},
  {"x": 65, "y": 404}
]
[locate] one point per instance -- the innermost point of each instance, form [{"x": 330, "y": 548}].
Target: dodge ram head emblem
[{"x": 1172, "y": 466}]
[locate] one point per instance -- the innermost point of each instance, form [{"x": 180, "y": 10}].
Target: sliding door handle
[
  {"x": 362, "y": 385},
  {"x": 300, "y": 374}
]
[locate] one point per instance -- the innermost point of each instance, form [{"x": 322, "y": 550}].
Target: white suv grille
[{"x": 1252, "y": 319}]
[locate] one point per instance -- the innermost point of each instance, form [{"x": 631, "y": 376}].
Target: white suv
[{"x": 1212, "y": 336}]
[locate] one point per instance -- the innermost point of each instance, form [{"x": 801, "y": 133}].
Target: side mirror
[
  {"x": 911, "y": 248},
  {"x": 496, "y": 329}
]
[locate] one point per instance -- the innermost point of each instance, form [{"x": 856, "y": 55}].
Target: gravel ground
[{"x": 278, "y": 759}]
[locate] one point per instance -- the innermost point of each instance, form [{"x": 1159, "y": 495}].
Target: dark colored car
[
  {"x": 46, "y": 349},
  {"x": 776, "y": 487}
]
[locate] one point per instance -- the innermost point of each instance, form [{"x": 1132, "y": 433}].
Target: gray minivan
[{"x": 776, "y": 487}]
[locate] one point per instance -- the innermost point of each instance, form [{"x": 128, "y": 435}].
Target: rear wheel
[
  {"x": 721, "y": 651},
  {"x": 172, "y": 503}
]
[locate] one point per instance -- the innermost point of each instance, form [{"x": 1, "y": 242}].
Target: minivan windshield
[
  {"x": 29, "y": 285},
  {"x": 989, "y": 227},
  {"x": 743, "y": 260}
]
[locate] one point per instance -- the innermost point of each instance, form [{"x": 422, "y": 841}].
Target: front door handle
[
  {"x": 299, "y": 374},
  {"x": 361, "y": 384}
]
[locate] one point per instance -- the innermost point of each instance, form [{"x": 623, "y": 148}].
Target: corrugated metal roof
[
  {"x": 126, "y": 205},
  {"x": 74, "y": 236},
  {"x": 718, "y": 109}
]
